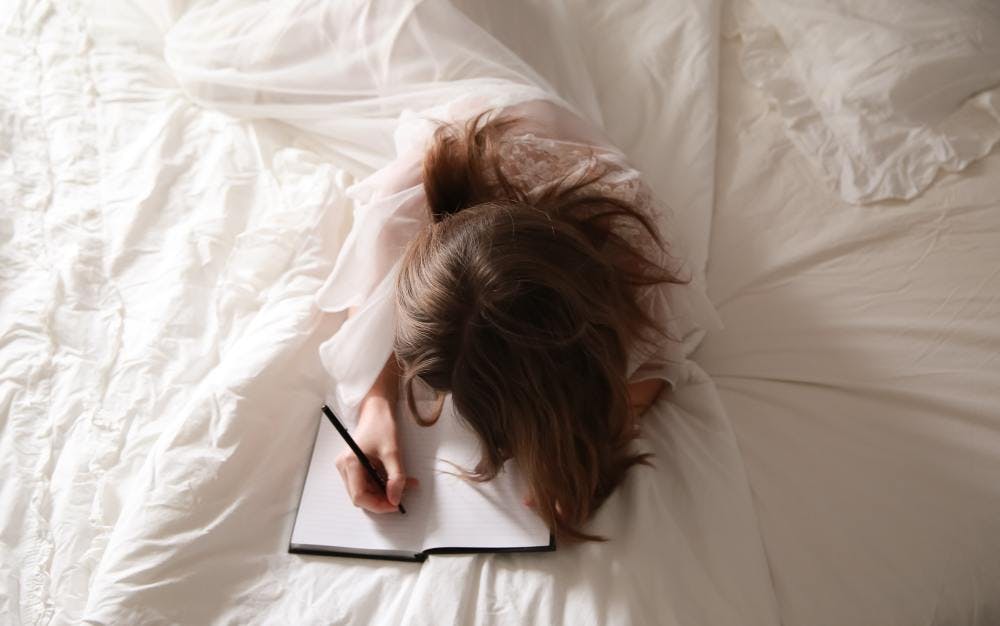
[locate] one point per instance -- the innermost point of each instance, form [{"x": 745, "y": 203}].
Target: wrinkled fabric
[
  {"x": 159, "y": 368},
  {"x": 159, "y": 336},
  {"x": 860, "y": 367},
  {"x": 364, "y": 76},
  {"x": 880, "y": 95}
]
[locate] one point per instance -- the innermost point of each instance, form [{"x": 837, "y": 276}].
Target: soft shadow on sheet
[{"x": 859, "y": 368}]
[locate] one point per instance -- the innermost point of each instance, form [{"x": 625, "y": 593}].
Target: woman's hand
[{"x": 376, "y": 436}]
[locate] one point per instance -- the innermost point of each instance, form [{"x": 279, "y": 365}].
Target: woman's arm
[
  {"x": 376, "y": 435},
  {"x": 385, "y": 389}
]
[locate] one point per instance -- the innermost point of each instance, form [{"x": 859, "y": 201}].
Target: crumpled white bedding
[{"x": 159, "y": 374}]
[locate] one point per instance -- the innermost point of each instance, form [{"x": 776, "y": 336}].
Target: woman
[
  {"x": 531, "y": 290},
  {"x": 507, "y": 255}
]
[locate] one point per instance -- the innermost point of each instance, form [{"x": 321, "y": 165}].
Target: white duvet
[{"x": 159, "y": 373}]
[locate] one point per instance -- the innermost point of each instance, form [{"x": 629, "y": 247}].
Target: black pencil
[{"x": 365, "y": 463}]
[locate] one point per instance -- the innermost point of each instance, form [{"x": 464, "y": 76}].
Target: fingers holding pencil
[
  {"x": 372, "y": 469},
  {"x": 364, "y": 492}
]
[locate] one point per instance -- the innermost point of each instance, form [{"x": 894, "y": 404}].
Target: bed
[{"x": 831, "y": 458}]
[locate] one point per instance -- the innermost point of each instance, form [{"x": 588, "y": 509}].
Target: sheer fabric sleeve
[{"x": 389, "y": 211}]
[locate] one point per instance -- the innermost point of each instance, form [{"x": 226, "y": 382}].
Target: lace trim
[{"x": 535, "y": 163}]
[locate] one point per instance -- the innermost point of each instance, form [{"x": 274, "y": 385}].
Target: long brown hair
[{"x": 523, "y": 306}]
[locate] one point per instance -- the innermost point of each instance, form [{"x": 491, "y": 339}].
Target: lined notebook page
[{"x": 445, "y": 511}]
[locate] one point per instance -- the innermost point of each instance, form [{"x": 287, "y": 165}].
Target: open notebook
[{"x": 444, "y": 514}]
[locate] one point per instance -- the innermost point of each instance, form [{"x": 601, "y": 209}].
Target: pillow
[{"x": 881, "y": 94}]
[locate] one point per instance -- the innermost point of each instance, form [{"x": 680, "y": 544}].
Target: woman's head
[{"x": 524, "y": 309}]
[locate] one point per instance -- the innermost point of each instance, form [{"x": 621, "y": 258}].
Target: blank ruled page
[
  {"x": 328, "y": 519},
  {"x": 463, "y": 513}
]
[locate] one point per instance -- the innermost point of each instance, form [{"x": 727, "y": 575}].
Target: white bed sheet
[
  {"x": 860, "y": 366},
  {"x": 160, "y": 375}
]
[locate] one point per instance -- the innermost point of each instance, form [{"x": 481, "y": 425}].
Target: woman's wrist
[
  {"x": 384, "y": 391},
  {"x": 374, "y": 403}
]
